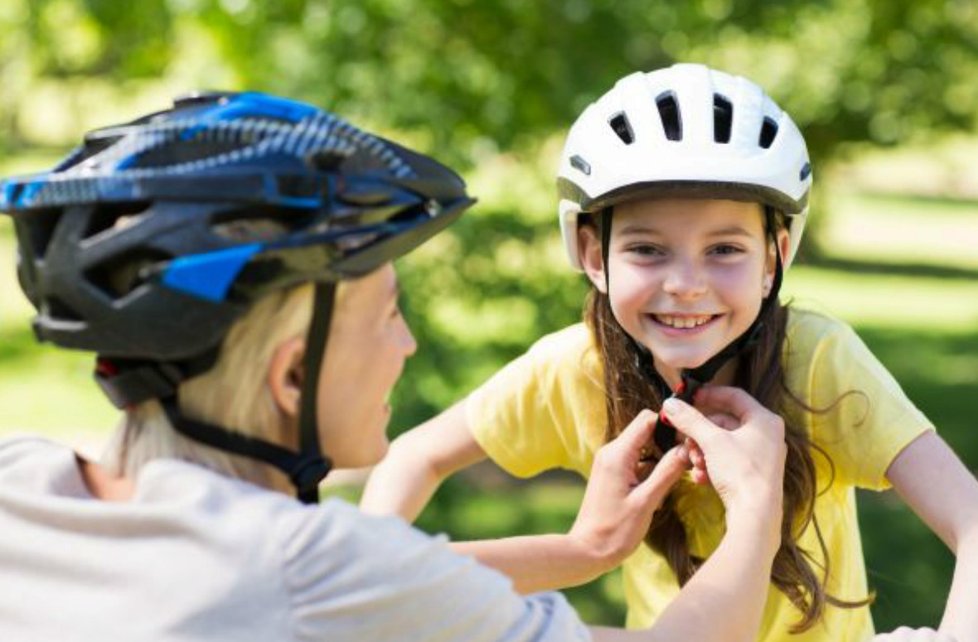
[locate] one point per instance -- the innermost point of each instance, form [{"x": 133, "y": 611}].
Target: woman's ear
[
  {"x": 285, "y": 375},
  {"x": 589, "y": 249}
]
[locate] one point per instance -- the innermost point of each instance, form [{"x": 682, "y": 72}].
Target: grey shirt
[{"x": 198, "y": 556}]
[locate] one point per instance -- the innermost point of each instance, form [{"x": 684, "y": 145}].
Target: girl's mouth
[{"x": 683, "y": 321}]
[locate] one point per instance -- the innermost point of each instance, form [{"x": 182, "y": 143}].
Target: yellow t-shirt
[{"x": 546, "y": 410}]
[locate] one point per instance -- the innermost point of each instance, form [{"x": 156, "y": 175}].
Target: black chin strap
[
  {"x": 128, "y": 384},
  {"x": 305, "y": 470},
  {"x": 692, "y": 379},
  {"x": 308, "y": 490}
]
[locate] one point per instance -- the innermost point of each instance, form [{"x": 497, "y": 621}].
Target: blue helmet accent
[
  {"x": 249, "y": 135},
  {"x": 208, "y": 276}
]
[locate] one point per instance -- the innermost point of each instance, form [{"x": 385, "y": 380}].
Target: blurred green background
[{"x": 884, "y": 91}]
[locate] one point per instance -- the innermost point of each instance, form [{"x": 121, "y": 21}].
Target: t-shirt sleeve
[
  {"x": 543, "y": 410},
  {"x": 357, "y": 577},
  {"x": 862, "y": 417}
]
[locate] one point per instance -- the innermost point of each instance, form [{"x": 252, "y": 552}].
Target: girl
[
  {"x": 683, "y": 197},
  {"x": 206, "y": 254}
]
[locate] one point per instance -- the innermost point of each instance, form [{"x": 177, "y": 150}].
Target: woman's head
[
  {"x": 369, "y": 341},
  {"x": 205, "y": 209},
  {"x": 685, "y": 277},
  {"x": 256, "y": 383}
]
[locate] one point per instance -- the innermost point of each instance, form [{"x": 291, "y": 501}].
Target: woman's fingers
[
  {"x": 663, "y": 477},
  {"x": 637, "y": 434},
  {"x": 724, "y": 420}
]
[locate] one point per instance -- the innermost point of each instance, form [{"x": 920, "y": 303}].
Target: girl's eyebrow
[
  {"x": 733, "y": 230},
  {"x": 637, "y": 229}
]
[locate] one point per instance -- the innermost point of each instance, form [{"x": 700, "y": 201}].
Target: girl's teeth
[{"x": 682, "y": 322}]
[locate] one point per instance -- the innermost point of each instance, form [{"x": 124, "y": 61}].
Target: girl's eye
[
  {"x": 645, "y": 250},
  {"x": 725, "y": 249}
]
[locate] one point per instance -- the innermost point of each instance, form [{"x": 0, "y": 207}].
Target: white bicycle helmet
[{"x": 684, "y": 130}]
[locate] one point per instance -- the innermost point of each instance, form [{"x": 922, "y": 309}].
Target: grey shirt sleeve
[{"x": 355, "y": 577}]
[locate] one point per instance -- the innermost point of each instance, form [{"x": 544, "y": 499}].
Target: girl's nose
[{"x": 684, "y": 279}]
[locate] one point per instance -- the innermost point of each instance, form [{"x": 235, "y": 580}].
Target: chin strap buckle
[
  {"x": 664, "y": 433},
  {"x": 306, "y": 473}
]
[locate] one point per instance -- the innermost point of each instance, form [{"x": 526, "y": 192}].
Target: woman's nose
[{"x": 408, "y": 342}]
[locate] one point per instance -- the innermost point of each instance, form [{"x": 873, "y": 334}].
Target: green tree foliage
[
  {"x": 489, "y": 86},
  {"x": 468, "y": 74}
]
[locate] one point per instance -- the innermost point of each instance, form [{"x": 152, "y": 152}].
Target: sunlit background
[{"x": 884, "y": 91}]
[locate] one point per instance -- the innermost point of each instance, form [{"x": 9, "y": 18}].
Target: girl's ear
[
  {"x": 784, "y": 245},
  {"x": 589, "y": 249},
  {"x": 285, "y": 375}
]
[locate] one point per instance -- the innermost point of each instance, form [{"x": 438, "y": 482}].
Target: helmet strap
[
  {"x": 316, "y": 341},
  {"x": 305, "y": 468},
  {"x": 605, "y": 224}
]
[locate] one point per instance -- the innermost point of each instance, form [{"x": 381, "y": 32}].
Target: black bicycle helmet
[{"x": 132, "y": 246}]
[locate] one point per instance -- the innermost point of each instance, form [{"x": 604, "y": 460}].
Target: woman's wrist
[
  {"x": 591, "y": 557},
  {"x": 758, "y": 517}
]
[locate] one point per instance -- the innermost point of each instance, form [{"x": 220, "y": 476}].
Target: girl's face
[
  {"x": 687, "y": 276},
  {"x": 368, "y": 343}
]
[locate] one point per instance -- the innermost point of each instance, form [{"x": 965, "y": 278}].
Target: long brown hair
[{"x": 759, "y": 372}]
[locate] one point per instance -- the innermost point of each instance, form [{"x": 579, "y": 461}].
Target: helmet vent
[
  {"x": 185, "y": 151},
  {"x": 95, "y": 143},
  {"x": 580, "y": 164},
  {"x": 669, "y": 113},
  {"x": 769, "y": 129},
  {"x": 258, "y": 224},
  {"x": 38, "y": 229},
  {"x": 619, "y": 123},
  {"x": 121, "y": 275},
  {"x": 722, "y": 119},
  {"x": 113, "y": 216},
  {"x": 55, "y": 308}
]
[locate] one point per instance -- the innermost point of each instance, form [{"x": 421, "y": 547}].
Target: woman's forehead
[{"x": 371, "y": 290}]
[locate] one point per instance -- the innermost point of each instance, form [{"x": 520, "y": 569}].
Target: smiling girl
[{"x": 683, "y": 197}]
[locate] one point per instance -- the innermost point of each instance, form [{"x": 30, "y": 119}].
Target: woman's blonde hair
[{"x": 232, "y": 394}]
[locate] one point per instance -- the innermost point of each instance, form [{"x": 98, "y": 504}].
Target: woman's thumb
[{"x": 664, "y": 476}]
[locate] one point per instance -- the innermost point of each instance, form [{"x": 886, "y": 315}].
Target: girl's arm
[
  {"x": 936, "y": 485},
  {"x": 417, "y": 462},
  {"x": 601, "y": 537}
]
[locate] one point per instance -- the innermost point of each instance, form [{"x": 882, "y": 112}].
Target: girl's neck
[{"x": 725, "y": 377}]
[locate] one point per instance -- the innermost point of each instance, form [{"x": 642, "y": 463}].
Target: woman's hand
[
  {"x": 618, "y": 504},
  {"x": 905, "y": 634},
  {"x": 740, "y": 446}
]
